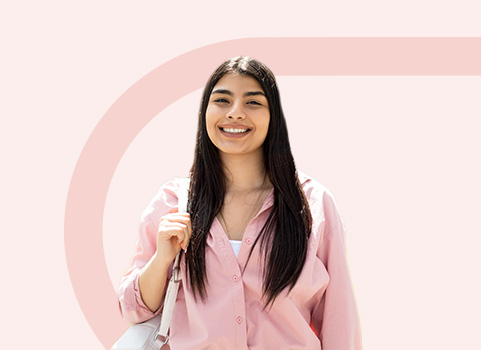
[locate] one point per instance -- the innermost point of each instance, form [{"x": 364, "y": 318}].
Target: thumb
[{"x": 173, "y": 210}]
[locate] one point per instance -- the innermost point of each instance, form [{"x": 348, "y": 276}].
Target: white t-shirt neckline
[{"x": 235, "y": 246}]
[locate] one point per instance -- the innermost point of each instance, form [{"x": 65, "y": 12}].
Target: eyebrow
[{"x": 228, "y": 92}]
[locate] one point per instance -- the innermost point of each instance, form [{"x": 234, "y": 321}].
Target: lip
[{"x": 234, "y": 126}]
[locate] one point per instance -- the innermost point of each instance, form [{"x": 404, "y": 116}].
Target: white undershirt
[{"x": 235, "y": 246}]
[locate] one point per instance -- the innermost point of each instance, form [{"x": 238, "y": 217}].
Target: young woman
[{"x": 264, "y": 264}]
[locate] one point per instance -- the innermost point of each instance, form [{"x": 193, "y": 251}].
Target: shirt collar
[{"x": 303, "y": 178}]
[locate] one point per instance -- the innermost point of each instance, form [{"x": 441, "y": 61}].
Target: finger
[
  {"x": 182, "y": 218},
  {"x": 175, "y": 229},
  {"x": 174, "y": 218},
  {"x": 183, "y": 239},
  {"x": 179, "y": 215},
  {"x": 185, "y": 220}
]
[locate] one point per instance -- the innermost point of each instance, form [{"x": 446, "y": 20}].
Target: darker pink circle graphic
[{"x": 186, "y": 73}]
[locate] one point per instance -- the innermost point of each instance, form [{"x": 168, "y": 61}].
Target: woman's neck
[{"x": 244, "y": 172}]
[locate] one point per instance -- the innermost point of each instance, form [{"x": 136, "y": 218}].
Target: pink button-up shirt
[{"x": 318, "y": 313}]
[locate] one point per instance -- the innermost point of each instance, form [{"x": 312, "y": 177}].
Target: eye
[
  {"x": 254, "y": 103},
  {"x": 221, "y": 100}
]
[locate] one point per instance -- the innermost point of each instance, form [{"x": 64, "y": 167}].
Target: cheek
[
  {"x": 209, "y": 119},
  {"x": 210, "y": 123},
  {"x": 264, "y": 129},
  {"x": 266, "y": 125}
]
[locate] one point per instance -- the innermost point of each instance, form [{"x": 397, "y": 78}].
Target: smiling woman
[
  {"x": 237, "y": 115},
  {"x": 265, "y": 266}
]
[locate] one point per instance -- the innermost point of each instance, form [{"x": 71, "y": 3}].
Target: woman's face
[{"x": 237, "y": 115}]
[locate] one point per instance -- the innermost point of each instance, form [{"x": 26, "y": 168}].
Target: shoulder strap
[
  {"x": 183, "y": 194},
  {"x": 172, "y": 289}
]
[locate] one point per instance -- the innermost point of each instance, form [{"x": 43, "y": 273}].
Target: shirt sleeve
[
  {"x": 132, "y": 307},
  {"x": 335, "y": 319}
]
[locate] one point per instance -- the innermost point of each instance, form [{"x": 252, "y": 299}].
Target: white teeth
[{"x": 234, "y": 131}]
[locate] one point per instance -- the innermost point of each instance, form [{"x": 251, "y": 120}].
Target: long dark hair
[{"x": 284, "y": 237}]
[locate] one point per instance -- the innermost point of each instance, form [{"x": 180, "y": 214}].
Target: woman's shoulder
[
  {"x": 166, "y": 198},
  {"x": 321, "y": 201},
  {"x": 313, "y": 189}
]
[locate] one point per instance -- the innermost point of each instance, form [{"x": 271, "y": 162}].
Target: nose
[{"x": 236, "y": 113}]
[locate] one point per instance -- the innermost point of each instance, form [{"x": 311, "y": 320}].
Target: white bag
[
  {"x": 141, "y": 336},
  {"x": 153, "y": 334}
]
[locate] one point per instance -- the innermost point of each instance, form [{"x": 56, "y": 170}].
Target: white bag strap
[
  {"x": 183, "y": 195},
  {"x": 172, "y": 289}
]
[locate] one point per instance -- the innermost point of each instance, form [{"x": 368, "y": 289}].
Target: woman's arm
[
  {"x": 152, "y": 280},
  {"x": 131, "y": 303},
  {"x": 335, "y": 319},
  {"x": 173, "y": 234},
  {"x": 159, "y": 240}
]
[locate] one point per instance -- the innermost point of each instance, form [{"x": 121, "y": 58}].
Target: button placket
[{"x": 232, "y": 272}]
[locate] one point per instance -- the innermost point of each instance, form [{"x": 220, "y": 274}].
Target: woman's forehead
[{"x": 238, "y": 82}]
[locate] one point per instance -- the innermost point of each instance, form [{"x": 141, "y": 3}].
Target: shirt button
[
  {"x": 248, "y": 240},
  {"x": 235, "y": 278},
  {"x": 239, "y": 320}
]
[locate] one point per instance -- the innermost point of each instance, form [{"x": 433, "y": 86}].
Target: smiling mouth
[{"x": 235, "y": 131}]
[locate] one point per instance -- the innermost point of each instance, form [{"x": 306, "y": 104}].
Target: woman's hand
[{"x": 173, "y": 235}]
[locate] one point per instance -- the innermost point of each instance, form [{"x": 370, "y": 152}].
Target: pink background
[{"x": 399, "y": 154}]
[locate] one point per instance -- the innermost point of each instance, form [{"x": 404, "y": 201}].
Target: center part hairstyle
[{"x": 284, "y": 238}]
